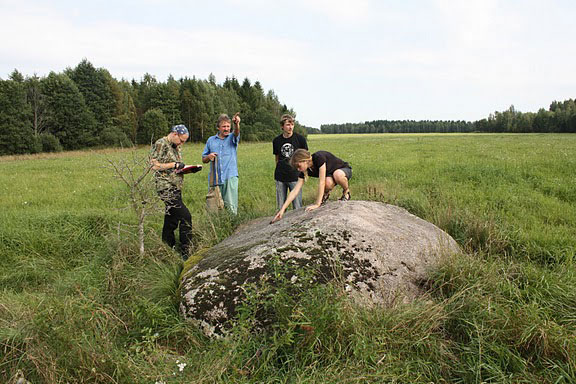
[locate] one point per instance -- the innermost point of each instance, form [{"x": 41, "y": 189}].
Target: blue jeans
[{"x": 282, "y": 188}]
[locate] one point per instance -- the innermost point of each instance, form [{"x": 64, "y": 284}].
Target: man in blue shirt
[{"x": 224, "y": 146}]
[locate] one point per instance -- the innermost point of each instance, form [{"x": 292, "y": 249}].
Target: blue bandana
[{"x": 180, "y": 129}]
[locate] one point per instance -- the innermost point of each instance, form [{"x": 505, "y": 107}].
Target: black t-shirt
[
  {"x": 320, "y": 158},
  {"x": 284, "y": 148}
]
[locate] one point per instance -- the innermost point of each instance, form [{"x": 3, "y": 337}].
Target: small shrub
[
  {"x": 114, "y": 137},
  {"x": 50, "y": 143}
]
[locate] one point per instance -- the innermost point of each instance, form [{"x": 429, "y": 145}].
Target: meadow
[{"x": 79, "y": 304}]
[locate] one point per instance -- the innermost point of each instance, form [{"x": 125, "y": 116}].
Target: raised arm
[{"x": 236, "y": 123}]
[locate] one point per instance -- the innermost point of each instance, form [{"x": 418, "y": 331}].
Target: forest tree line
[
  {"x": 560, "y": 117},
  {"x": 85, "y": 107},
  {"x": 399, "y": 126}
]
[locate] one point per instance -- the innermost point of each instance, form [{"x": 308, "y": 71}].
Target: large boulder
[{"x": 381, "y": 252}]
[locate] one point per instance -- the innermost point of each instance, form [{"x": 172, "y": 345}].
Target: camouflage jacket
[{"x": 164, "y": 152}]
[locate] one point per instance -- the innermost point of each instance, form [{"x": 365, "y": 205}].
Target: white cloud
[
  {"x": 130, "y": 50},
  {"x": 339, "y": 11},
  {"x": 474, "y": 22},
  {"x": 349, "y": 11}
]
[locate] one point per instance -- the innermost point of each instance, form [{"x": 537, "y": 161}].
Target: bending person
[{"x": 330, "y": 171}]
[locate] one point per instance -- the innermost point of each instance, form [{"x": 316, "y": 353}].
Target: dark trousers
[{"x": 177, "y": 215}]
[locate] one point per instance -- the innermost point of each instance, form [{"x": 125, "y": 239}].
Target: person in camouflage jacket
[{"x": 166, "y": 159}]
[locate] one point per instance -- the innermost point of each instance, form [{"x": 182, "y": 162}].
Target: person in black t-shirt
[
  {"x": 329, "y": 169},
  {"x": 284, "y": 146}
]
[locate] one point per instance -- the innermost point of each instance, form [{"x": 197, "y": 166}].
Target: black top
[
  {"x": 284, "y": 148},
  {"x": 320, "y": 158}
]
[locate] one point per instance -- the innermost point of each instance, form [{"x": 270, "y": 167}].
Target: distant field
[{"x": 77, "y": 304}]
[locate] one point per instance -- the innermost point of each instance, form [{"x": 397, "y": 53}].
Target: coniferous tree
[
  {"x": 125, "y": 118},
  {"x": 16, "y": 134},
  {"x": 95, "y": 86},
  {"x": 67, "y": 116},
  {"x": 166, "y": 97},
  {"x": 187, "y": 108},
  {"x": 154, "y": 125}
]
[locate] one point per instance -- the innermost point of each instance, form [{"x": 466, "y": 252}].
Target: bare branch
[{"x": 135, "y": 173}]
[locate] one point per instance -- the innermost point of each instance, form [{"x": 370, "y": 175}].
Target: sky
[{"x": 331, "y": 61}]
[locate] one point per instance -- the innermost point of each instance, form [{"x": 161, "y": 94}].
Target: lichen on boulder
[{"x": 379, "y": 252}]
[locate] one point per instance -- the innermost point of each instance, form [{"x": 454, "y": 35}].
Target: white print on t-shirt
[{"x": 287, "y": 150}]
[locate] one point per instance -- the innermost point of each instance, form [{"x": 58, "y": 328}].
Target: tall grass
[{"x": 79, "y": 304}]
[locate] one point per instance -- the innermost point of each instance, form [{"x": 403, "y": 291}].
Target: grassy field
[{"x": 79, "y": 304}]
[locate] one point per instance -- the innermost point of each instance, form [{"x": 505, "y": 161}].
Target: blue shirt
[{"x": 227, "y": 155}]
